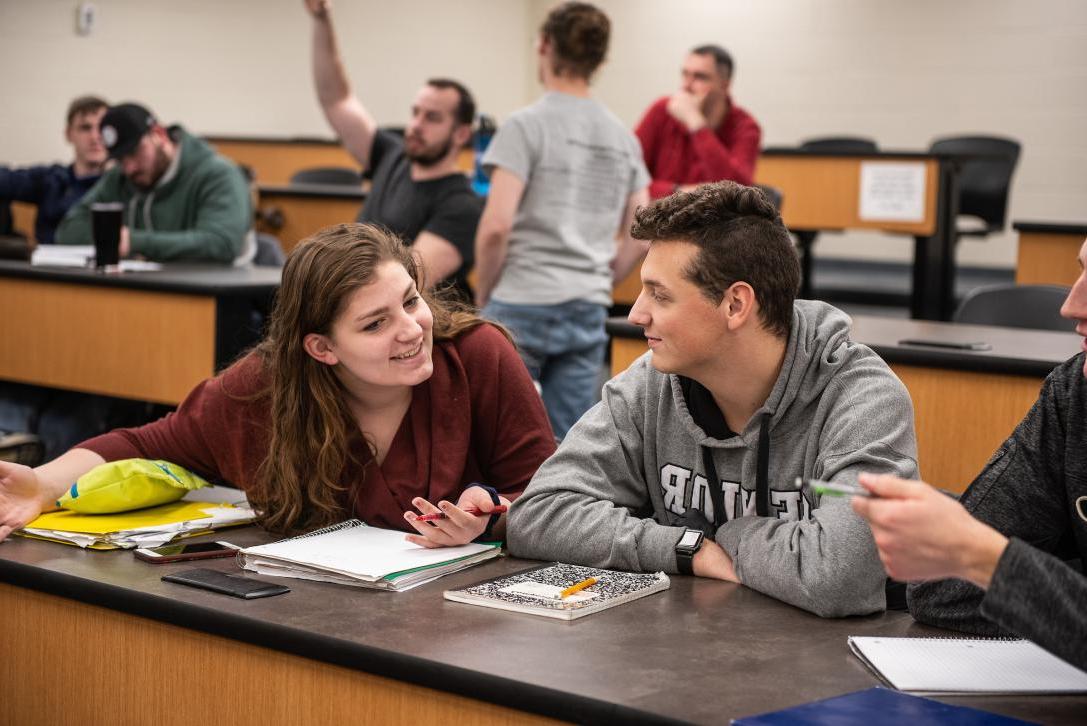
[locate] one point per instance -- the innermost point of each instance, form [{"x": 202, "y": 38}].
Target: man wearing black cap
[{"x": 182, "y": 200}]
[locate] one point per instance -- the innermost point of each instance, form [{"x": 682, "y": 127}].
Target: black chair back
[
  {"x": 1015, "y": 306},
  {"x": 984, "y": 182},
  {"x": 341, "y": 175},
  {"x": 841, "y": 144}
]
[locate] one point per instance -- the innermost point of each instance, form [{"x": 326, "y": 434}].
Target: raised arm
[{"x": 345, "y": 113}]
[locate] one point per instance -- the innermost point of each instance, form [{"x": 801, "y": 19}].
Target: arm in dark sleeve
[
  {"x": 456, "y": 221},
  {"x": 23, "y": 185},
  {"x": 514, "y": 431},
  {"x": 223, "y": 218},
  {"x": 1019, "y": 493},
  {"x": 735, "y": 161},
  {"x": 1037, "y": 596}
]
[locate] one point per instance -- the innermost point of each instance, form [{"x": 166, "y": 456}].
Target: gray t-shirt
[{"x": 580, "y": 165}]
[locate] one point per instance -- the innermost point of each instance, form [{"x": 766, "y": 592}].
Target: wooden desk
[
  {"x": 1048, "y": 252},
  {"x": 965, "y": 402},
  {"x": 293, "y": 212},
  {"x": 274, "y": 160},
  {"x": 149, "y": 336},
  {"x": 96, "y": 637}
]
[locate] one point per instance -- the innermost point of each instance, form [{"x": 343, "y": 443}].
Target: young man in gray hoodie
[{"x": 743, "y": 386}]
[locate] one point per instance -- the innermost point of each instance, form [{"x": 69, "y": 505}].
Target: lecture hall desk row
[
  {"x": 97, "y": 637},
  {"x": 965, "y": 402}
]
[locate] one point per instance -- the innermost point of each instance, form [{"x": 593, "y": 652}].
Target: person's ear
[
  {"x": 462, "y": 135},
  {"x": 738, "y": 305},
  {"x": 319, "y": 347}
]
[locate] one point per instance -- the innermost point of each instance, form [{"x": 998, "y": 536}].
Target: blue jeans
[{"x": 563, "y": 348}]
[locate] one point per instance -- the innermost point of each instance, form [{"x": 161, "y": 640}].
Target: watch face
[{"x": 691, "y": 538}]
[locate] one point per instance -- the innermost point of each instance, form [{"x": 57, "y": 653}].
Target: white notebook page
[
  {"x": 362, "y": 550},
  {"x": 964, "y": 665}
]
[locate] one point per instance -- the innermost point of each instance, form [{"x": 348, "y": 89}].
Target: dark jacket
[
  {"x": 200, "y": 211},
  {"x": 54, "y": 189},
  {"x": 1028, "y": 492}
]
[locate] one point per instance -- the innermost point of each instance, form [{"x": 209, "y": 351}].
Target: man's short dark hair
[
  {"x": 740, "y": 238},
  {"x": 465, "y": 113},
  {"x": 721, "y": 58},
  {"x": 84, "y": 105}
]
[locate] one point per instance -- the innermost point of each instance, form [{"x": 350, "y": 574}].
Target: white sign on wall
[{"x": 892, "y": 191}]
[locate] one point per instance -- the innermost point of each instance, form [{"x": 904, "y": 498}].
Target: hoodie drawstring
[{"x": 762, "y": 476}]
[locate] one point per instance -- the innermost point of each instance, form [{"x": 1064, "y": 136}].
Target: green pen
[{"x": 832, "y": 488}]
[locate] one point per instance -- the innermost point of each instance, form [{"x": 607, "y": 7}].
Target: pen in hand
[
  {"x": 832, "y": 488},
  {"x": 499, "y": 509}
]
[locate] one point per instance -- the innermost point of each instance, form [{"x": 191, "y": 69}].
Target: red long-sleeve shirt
[
  {"x": 478, "y": 418},
  {"x": 674, "y": 155}
]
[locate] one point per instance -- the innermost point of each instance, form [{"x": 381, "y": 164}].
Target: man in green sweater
[{"x": 183, "y": 201}]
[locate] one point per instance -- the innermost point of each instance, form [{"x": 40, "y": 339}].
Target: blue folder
[{"x": 877, "y": 706}]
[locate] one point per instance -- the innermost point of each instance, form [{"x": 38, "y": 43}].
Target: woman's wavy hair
[{"x": 301, "y": 483}]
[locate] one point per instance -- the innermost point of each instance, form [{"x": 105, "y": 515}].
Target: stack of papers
[
  {"x": 150, "y": 527},
  {"x": 81, "y": 256},
  {"x": 352, "y": 553}
]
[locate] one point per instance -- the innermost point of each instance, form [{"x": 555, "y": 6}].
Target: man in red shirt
[{"x": 698, "y": 134}]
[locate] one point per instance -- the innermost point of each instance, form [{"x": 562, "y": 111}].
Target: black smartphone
[
  {"x": 234, "y": 585},
  {"x": 188, "y": 551}
]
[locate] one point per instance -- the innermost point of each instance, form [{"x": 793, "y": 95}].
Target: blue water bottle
[{"x": 481, "y": 183}]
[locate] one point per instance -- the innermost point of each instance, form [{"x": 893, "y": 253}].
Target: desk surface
[
  {"x": 1012, "y": 350},
  {"x": 704, "y": 651},
  {"x": 216, "y": 280},
  {"x": 320, "y": 191}
]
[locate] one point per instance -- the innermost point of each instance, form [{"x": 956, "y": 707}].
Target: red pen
[{"x": 470, "y": 510}]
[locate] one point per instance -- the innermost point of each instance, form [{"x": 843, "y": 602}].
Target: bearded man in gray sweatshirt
[{"x": 689, "y": 463}]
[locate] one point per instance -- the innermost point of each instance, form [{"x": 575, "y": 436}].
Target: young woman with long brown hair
[{"x": 368, "y": 398}]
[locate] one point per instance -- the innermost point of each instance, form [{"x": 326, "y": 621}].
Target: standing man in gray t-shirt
[{"x": 566, "y": 178}]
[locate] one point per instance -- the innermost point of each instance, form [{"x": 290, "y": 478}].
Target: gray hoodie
[{"x": 617, "y": 491}]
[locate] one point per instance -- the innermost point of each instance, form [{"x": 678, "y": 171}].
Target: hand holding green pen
[{"x": 832, "y": 488}]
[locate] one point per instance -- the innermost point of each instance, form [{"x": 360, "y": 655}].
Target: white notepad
[
  {"x": 967, "y": 665},
  {"x": 351, "y": 553}
]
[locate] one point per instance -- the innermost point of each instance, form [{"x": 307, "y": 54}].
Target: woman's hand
[
  {"x": 20, "y": 497},
  {"x": 457, "y": 527}
]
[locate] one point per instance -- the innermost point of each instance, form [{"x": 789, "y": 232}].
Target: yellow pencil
[{"x": 577, "y": 588}]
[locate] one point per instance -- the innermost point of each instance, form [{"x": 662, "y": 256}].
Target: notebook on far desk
[{"x": 969, "y": 666}]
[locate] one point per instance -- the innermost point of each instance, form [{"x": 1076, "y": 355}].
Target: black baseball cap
[{"x": 123, "y": 126}]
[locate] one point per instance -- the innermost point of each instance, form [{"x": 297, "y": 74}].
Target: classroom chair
[
  {"x": 1015, "y": 306},
  {"x": 805, "y": 238},
  {"x": 984, "y": 180},
  {"x": 339, "y": 175}
]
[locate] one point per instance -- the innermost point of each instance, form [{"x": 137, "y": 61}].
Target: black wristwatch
[{"x": 688, "y": 545}]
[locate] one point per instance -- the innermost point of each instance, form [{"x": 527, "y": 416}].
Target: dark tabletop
[
  {"x": 703, "y": 651},
  {"x": 1076, "y": 228},
  {"x": 196, "y": 279},
  {"x": 1010, "y": 350},
  {"x": 319, "y": 191}
]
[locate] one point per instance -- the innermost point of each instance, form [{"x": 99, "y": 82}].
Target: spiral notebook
[
  {"x": 537, "y": 591},
  {"x": 353, "y": 553},
  {"x": 967, "y": 666}
]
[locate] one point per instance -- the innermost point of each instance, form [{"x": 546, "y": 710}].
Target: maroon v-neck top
[{"x": 478, "y": 418}]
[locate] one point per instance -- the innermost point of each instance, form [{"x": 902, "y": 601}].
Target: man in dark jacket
[
  {"x": 182, "y": 200},
  {"x": 54, "y": 188},
  {"x": 1008, "y": 549}
]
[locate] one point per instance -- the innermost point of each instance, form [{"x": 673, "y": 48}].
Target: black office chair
[
  {"x": 772, "y": 194},
  {"x": 984, "y": 179},
  {"x": 841, "y": 144},
  {"x": 1015, "y": 306},
  {"x": 340, "y": 175},
  {"x": 805, "y": 238}
]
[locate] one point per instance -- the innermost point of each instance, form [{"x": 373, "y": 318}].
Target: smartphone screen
[{"x": 186, "y": 551}]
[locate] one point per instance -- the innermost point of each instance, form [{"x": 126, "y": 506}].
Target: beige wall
[{"x": 900, "y": 72}]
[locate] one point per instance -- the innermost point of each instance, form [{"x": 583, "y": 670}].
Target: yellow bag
[{"x": 118, "y": 486}]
